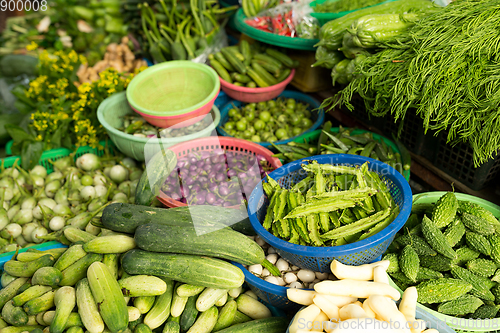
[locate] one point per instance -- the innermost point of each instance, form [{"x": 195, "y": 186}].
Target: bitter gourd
[
  {"x": 442, "y": 290},
  {"x": 478, "y": 243},
  {"x": 436, "y": 239},
  {"x": 445, "y": 210},
  {"x": 460, "y": 306},
  {"x": 495, "y": 247},
  {"x": 454, "y": 232},
  {"x": 409, "y": 263},
  {"x": 479, "y": 287},
  {"x": 438, "y": 263},
  {"x": 417, "y": 243},
  {"x": 482, "y": 267},
  {"x": 478, "y": 224},
  {"x": 465, "y": 254},
  {"x": 393, "y": 262},
  {"x": 476, "y": 210},
  {"x": 486, "y": 312}
]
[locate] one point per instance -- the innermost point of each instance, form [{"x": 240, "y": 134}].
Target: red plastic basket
[{"x": 236, "y": 146}]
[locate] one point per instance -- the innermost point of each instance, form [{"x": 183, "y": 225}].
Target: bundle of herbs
[{"x": 446, "y": 70}]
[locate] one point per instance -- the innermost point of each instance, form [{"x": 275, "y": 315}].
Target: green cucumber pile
[
  {"x": 147, "y": 269},
  {"x": 344, "y": 142},
  {"x": 450, "y": 251},
  {"x": 269, "y": 121},
  {"x": 334, "y": 205},
  {"x": 252, "y": 66}
]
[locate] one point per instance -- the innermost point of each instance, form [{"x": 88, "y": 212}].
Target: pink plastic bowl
[
  {"x": 181, "y": 120},
  {"x": 255, "y": 95}
]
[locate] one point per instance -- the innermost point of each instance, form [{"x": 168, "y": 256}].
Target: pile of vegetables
[
  {"x": 252, "y": 65},
  {"x": 361, "y": 299},
  {"x": 179, "y": 30},
  {"x": 345, "y": 142},
  {"x": 105, "y": 282},
  {"x": 86, "y": 27},
  {"x": 37, "y": 202},
  {"x": 336, "y": 6},
  {"x": 117, "y": 56},
  {"x": 291, "y": 275},
  {"x": 215, "y": 178},
  {"x": 420, "y": 71},
  {"x": 333, "y": 205},
  {"x": 274, "y": 120},
  {"x": 252, "y": 8},
  {"x": 450, "y": 251}
]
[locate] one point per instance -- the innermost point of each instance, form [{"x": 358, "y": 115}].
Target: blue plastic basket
[
  {"x": 4, "y": 257},
  {"x": 430, "y": 320},
  {"x": 271, "y": 293},
  {"x": 318, "y": 116},
  {"x": 319, "y": 258}
]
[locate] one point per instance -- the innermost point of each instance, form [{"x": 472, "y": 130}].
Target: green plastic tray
[
  {"x": 314, "y": 136},
  {"x": 326, "y": 17},
  {"x": 56, "y": 154},
  {"x": 459, "y": 324},
  {"x": 272, "y": 39}
]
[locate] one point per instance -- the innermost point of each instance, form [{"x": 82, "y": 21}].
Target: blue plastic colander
[
  {"x": 317, "y": 116},
  {"x": 271, "y": 293},
  {"x": 318, "y": 259}
]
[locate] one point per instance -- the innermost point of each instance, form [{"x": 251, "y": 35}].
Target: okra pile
[
  {"x": 450, "y": 250},
  {"x": 35, "y": 203},
  {"x": 252, "y": 66},
  {"x": 345, "y": 142},
  {"x": 333, "y": 205},
  {"x": 276, "y": 119}
]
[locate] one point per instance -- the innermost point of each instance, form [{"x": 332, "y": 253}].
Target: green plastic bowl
[
  {"x": 110, "y": 113},
  {"x": 326, "y": 17},
  {"x": 173, "y": 88},
  {"x": 273, "y": 39},
  {"x": 459, "y": 324}
]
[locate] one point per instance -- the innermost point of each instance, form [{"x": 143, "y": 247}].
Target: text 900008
[{"x": 21, "y": 5}]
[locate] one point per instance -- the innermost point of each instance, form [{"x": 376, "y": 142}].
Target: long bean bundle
[
  {"x": 447, "y": 70},
  {"x": 344, "y": 5}
]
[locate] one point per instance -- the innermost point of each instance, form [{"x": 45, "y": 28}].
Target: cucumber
[
  {"x": 157, "y": 170},
  {"x": 126, "y": 218},
  {"x": 29, "y": 294},
  {"x": 196, "y": 270},
  {"x": 20, "y": 329},
  {"x": 144, "y": 303},
  {"x": 224, "y": 243},
  {"x": 72, "y": 255},
  {"x": 189, "y": 315},
  {"x": 252, "y": 307},
  {"x": 47, "y": 276},
  {"x": 172, "y": 327},
  {"x": 268, "y": 325},
  {"x": 112, "y": 261},
  {"x": 40, "y": 304},
  {"x": 142, "y": 328},
  {"x": 14, "y": 315},
  {"x": 187, "y": 290},
  {"x": 240, "y": 317},
  {"x": 205, "y": 322},
  {"x": 87, "y": 307},
  {"x": 161, "y": 309},
  {"x": 208, "y": 298},
  {"x": 108, "y": 296},
  {"x": 27, "y": 269},
  {"x": 78, "y": 270},
  {"x": 110, "y": 244},
  {"x": 142, "y": 285},
  {"x": 281, "y": 57},
  {"x": 226, "y": 316},
  {"x": 35, "y": 254},
  {"x": 65, "y": 301},
  {"x": 133, "y": 313}
]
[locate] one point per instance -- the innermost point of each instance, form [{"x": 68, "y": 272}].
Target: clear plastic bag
[{"x": 287, "y": 19}]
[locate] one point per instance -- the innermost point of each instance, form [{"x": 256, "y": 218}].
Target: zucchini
[
  {"x": 108, "y": 296},
  {"x": 158, "y": 169},
  {"x": 87, "y": 307},
  {"x": 126, "y": 218},
  {"x": 161, "y": 309},
  {"x": 223, "y": 243},
  {"x": 110, "y": 244},
  {"x": 202, "y": 271},
  {"x": 268, "y": 325}
]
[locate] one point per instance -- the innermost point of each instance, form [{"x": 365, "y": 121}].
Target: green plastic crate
[
  {"x": 56, "y": 154},
  {"x": 314, "y": 136}
]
